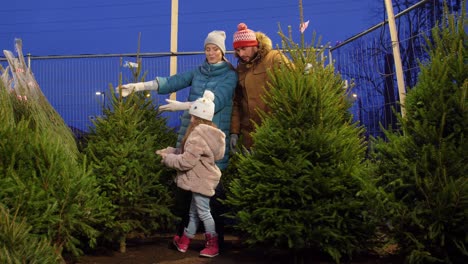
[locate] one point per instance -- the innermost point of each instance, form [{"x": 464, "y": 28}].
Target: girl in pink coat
[{"x": 197, "y": 171}]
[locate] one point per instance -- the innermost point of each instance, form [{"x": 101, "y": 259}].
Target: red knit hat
[{"x": 244, "y": 37}]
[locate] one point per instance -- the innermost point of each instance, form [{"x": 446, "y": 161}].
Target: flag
[{"x": 303, "y": 26}]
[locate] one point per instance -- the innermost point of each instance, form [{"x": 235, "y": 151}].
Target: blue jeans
[{"x": 200, "y": 211}]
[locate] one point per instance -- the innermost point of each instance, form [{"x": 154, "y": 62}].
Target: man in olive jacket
[{"x": 255, "y": 57}]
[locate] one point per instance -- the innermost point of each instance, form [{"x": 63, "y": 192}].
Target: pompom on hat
[
  {"x": 204, "y": 107},
  {"x": 217, "y": 37},
  {"x": 244, "y": 37}
]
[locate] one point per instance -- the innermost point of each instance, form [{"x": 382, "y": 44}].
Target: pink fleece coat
[{"x": 196, "y": 167}]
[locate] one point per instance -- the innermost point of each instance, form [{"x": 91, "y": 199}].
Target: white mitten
[
  {"x": 137, "y": 87},
  {"x": 173, "y": 105},
  {"x": 168, "y": 150}
]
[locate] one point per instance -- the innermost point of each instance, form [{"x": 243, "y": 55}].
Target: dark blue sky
[{"x": 57, "y": 27}]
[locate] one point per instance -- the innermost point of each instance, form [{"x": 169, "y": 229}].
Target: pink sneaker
[
  {"x": 211, "y": 246},
  {"x": 181, "y": 243}
]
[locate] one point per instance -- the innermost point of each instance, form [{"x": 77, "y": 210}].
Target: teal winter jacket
[{"x": 221, "y": 79}]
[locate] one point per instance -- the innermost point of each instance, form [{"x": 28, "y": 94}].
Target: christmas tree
[
  {"x": 122, "y": 147},
  {"x": 44, "y": 179},
  {"x": 424, "y": 166},
  {"x": 298, "y": 188}
]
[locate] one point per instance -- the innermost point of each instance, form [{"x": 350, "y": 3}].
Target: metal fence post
[
  {"x": 29, "y": 60},
  {"x": 396, "y": 55}
]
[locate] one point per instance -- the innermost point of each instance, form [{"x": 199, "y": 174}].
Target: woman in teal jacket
[
  {"x": 216, "y": 74},
  {"x": 221, "y": 79}
]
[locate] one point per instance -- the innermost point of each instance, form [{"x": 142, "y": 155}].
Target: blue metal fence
[{"x": 78, "y": 86}]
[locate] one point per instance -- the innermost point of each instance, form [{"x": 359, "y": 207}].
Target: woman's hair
[
  {"x": 229, "y": 63},
  {"x": 195, "y": 122}
]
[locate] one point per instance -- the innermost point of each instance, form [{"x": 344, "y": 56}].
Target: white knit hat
[
  {"x": 217, "y": 37},
  {"x": 204, "y": 107}
]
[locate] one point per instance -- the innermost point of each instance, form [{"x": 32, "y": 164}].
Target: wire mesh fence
[
  {"x": 79, "y": 86},
  {"x": 366, "y": 61}
]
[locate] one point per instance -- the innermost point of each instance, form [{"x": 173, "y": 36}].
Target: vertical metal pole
[
  {"x": 396, "y": 55},
  {"x": 301, "y": 21},
  {"x": 29, "y": 60},
  {"x": 174, "y": 32},
  {"x": 322, "y": 55}
]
